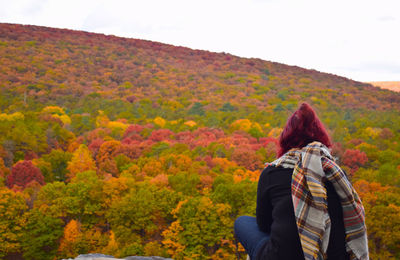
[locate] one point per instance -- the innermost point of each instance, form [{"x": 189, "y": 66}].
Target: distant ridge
[
  {"x": 390, "y": 85},
  {"x": 48, "y": 63}
]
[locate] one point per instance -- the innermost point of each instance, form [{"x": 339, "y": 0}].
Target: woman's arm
[{"x": 264, "y": 207}]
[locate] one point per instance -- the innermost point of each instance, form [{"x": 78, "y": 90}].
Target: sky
[{"x": 357, "y": 39}]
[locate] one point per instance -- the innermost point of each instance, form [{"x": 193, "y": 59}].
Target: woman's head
[{"x": 302, "y": 128}]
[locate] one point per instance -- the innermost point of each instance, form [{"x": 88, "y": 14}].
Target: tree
[
  {"x": 12, "y": 208},
  {"x": 112, "y": 246},
  {"x": 161, "y": 135},
  {"x": 279, "y": 108},
  {"x": 140, "y": 215},
  {"x": 41, "y": 235},
  {"x": 133, "y": 216},
  {"x": 240, "y": 196},
  {"x": 185, "y": 182},
  {"x": 132, "y": 130},
  {"x": 105, "y": 157},
  {"x": 199, "y": 229},
  {"x": 95, "y": 145},
  {"x": 159, "y": 121},
  {"x": 59, "y": 162},
  {"x": 382, "y": 208},
  {"x": 81, "y": 161},
  {"x": 354, "y": 159},
  {"x": 246, "y": 157},
  {"x": 113, "y": 190},
  {"x": 4, "y": 171},
  {"x": 196, "y": 109},
  {"x": 51, "y": 197},
  {"x": 23, "y": 173},
  {"x": 81, "y": 199},
  {"x": 227, "y": 107},
  {"x": 241, "y": 124},
  {"x": 84, "y": 198},
  {"x": 389, "y": 174},
  {"x": 72, "y": 243},
  {"x": 108, "y": 150}
]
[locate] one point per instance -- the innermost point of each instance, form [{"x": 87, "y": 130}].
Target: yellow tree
[
  {"x": 69, "y": 245},
  {"x": 4, "y": 171},
  {"x": 241, "y": 124},
  {"x": 171, "y": 241},
  {"x": 112, "y": 246},
  {"x": 12, "y": 208},
  {"x": 81, "y": 161}
]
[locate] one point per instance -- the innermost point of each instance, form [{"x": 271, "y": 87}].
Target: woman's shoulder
[{"x": 271, "y": 169}]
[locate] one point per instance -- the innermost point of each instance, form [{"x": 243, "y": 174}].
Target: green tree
[
  {"x": 199, "y": 229},
  {"x": 197, "y": 109},
  {"x": 227, "y": 107},
  {"x": 185, "y": 182},
  {"x": 81, "y": 199},
  {"x": 133, "y": 216},
  {"x": 240, "y": 196},
  {"x": 59, "y": 162},
  {"x": 41, "y": 235}
]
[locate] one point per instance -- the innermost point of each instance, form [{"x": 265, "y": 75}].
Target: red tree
[
  {"x": 23, "y": 173},
  {"x": 94, "y": 146},
  {"x": 161, "y": 135},
  {"x": 133, "y": 150},
  {"x": 354, "y": 159},
  {"x": 247, "y": 158},
  {"x": 134, "y": 138},
  {"x": 132, "y": 130}
]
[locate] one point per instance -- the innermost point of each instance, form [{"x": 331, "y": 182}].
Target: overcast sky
[{"x": 358, "y": 39}]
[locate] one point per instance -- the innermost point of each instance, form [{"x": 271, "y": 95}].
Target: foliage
[
  {"x": 199, "y": 229},
  {"x": 58, "y": 160},
  {"x": 41, "y": 235},
  {"x": 81, "y": 161},
  {"x": 23, "y": 173},
  {"x": 354, "y": 159},
  {"x": 12, "y": 208},
  {"x": 124, "y": 146}
]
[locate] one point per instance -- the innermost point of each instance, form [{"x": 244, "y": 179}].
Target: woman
[{"x": 306, "y": 206}]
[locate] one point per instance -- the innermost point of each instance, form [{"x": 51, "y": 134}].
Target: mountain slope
[{"x": 47, "y": 63}]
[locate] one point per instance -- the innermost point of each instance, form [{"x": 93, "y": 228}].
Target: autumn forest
[{"x": 131, "y": 147}]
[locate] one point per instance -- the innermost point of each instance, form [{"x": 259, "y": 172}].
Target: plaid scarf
[{"x": 312, "y": 166}]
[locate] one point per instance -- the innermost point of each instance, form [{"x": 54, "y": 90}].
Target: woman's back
[
  {"x": 304, "y": 154},
  {"x": 337, "y": 249},
  {"x": 275, "y": 215}
]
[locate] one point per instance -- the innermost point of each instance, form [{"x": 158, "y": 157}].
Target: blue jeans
[{"x": 249, "y": 235}]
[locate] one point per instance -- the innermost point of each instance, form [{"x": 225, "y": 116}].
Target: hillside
[
  {"x": 391, "y": 85},
  {"x": 50, "y": 63},
  {"x": 130, "y": 147}
]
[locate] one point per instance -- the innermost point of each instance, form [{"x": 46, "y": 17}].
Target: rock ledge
[{"x": 109, "y": 257}]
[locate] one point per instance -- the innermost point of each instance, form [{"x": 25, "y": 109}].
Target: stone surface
[
  {"x": 109, "y": 257},
  {"x": 146, "y": 258}
]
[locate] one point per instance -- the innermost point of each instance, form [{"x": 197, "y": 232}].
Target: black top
[{"x": 275, "y": 215}]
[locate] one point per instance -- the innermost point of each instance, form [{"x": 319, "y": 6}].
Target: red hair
[{"x": 302, "y": 128}]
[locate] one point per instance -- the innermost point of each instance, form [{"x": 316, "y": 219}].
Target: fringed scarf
[{"x": 312, "y": 166}]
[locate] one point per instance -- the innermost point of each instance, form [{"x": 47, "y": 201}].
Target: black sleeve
[{"x": 264, "y": 207}]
